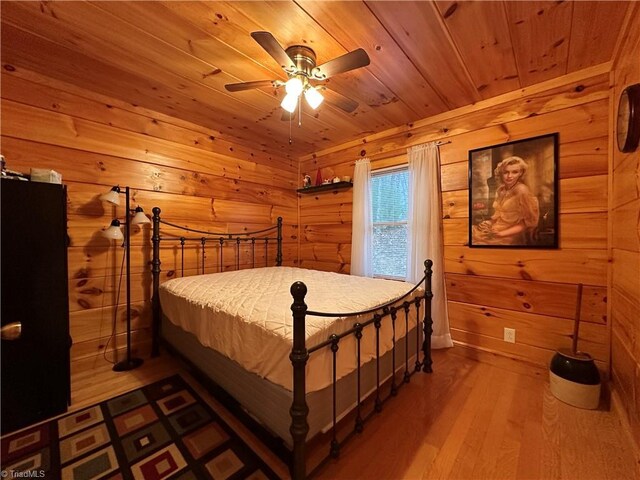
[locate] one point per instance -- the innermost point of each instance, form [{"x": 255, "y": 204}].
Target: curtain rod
[
  {"x": 437, "y": 143},
  {"x": 392, "y": 167}
]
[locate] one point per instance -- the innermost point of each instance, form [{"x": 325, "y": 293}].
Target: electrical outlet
[{"x": 510, "y": 335}]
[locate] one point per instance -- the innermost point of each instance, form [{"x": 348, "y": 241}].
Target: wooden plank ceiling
[{"x": 426, "y": 57}]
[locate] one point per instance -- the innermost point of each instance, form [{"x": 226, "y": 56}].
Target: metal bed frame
[{"x": 300, "y": 353}]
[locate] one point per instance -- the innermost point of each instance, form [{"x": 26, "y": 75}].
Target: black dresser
[{"x": 34, "y": 374}]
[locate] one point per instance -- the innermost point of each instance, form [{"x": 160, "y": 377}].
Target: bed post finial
[
  {"x": 299, "y": 356},
  {"x": 155, "y": 272},
  {"x": 428, "y": 321},
  {"x": 279, "y": 254}
]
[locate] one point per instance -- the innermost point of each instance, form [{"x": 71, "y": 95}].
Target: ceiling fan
[{"x": 299, "y": 62}]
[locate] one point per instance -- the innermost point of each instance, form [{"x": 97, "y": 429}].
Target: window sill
[{"x": 389, "y": 277}]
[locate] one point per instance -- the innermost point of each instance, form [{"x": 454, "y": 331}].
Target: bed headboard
[{"x": 186, "y": 235}]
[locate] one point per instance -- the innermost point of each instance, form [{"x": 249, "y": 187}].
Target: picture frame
[{"x": 513, "y": 194}]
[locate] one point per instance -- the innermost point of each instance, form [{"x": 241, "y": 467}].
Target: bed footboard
[{"x": 300, "y": 355}]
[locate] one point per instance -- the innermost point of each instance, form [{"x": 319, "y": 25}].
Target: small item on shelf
[
  {"x": 319, "y": 177},
  {"x": 336, "y": 179},
  {"x": 11, "y": 174},
  {"x": 45, "y": 175},
  {"x": 306, "y": 181},
  {"x": 326, "y": 186},
  {"x": 346, "y": 178}
]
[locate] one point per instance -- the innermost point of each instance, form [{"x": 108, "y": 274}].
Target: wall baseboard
[{"x": 499, "y": 359}]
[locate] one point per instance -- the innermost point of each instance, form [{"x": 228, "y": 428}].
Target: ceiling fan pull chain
[
  {"x": 290, "y": 120},
  {"x": 299, "y": 111}
]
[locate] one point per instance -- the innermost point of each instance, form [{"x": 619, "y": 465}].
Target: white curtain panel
[
  {"x": 362, "y": 226},
  {"x": 425, "y": 233}
]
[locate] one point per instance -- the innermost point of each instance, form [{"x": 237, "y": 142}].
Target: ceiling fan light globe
[
  {"x": 289, "y": 102},
  {"x": 294, "y": 86},
  {"x": 313, "y": 97}
]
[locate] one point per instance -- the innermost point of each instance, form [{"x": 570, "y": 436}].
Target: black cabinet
[{"x": 34, "y": 374}]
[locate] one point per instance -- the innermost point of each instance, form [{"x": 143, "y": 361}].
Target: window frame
[{"x": 376, "y": 173}]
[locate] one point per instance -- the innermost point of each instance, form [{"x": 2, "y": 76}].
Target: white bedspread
[{"x": 246, "y": 315}]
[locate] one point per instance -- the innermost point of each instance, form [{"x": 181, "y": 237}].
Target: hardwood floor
[{"x": 468, "y": 420}]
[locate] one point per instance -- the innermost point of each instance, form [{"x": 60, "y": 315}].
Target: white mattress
[{"x": 246, "y": 316}]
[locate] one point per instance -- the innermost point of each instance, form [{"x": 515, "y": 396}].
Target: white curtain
[
  {"x": 362, "y": 226},
  {"x": 425, "y": 233}
]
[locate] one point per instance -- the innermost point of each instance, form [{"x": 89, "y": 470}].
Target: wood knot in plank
[
  {"x": 84, "y": 304},
  {"x": 91, "y": 291},
  {"x": 450, "y": 11},
  {"x": 525, "y": 275},
  {"x": 82, "y": 273}
]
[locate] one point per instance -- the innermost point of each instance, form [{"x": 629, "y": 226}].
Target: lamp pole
[{"x": 129, "y": 363}]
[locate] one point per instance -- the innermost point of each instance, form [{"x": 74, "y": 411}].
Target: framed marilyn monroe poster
[{"x": 513, "y": 197}]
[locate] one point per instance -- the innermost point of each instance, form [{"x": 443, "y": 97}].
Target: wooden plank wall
[
  {"x": 533, "y": 291},
  {"x": 198, "y": 178},
  {"x": 625, "y": 216}
]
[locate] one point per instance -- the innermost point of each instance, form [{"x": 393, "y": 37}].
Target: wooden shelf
[{"x": 326, "y": 187}]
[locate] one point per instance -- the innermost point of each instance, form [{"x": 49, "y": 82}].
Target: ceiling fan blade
[
  {"x": 273, "y": 48},
  {"x": 339, "y": 100},
  {"x": 237, "y": 87},
  {"x": 349, "y": 61}
]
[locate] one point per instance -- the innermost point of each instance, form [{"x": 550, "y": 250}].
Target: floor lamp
[{"x": 114, "y": 233}]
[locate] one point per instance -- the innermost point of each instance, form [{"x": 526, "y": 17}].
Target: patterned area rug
[{"x": 161, "y": 431}]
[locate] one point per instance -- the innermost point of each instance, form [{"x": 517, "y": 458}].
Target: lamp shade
[
  {"x": 112, "y": 196},
  {"x": 313, "y": 97},
  {"x": 113, "y": 232},
  {"x": 139, "y": 218},
  {"x": 289, "y": 102},
  {"x": 294, "y": 86}
]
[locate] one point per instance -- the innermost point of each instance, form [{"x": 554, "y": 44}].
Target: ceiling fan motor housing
[{"x": 304, "y": 58}]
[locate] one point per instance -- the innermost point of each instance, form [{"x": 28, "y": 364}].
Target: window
[{"x": 390, "y": 202}]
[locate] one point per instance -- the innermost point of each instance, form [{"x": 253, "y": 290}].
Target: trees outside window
[{"x": 390, "y": 195}]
